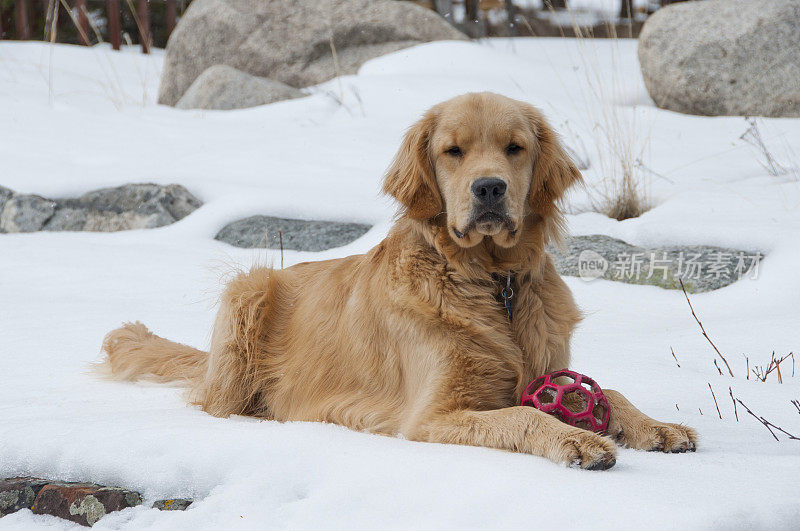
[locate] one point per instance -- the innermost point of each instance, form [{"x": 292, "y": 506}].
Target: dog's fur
[{"x": 411, "y": 338}]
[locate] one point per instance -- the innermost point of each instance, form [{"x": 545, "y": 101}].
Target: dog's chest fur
[{"x": 490, "y": 358}]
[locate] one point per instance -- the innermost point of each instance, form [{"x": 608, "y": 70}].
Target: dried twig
[
  {"x": 676, "y": 406},
  {"x": 280, "y": 239},
  {"x": 767, "y": 424},
  {"x": 715, "y": 401},
  {"x": 796, "y": 403},
  {"x": 717, "y": 366},
  {"x": 336, "y": 69},
  {"x": 736, "y": 413},
  {"x": 774, "y": 366},
  {"x": 700, "y": 410},
  {"x": 703, "y": 329},
  {"x": 748, "y": 366},
  {"x": 676, "y": 359}
]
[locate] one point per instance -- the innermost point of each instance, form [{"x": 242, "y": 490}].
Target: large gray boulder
[
  {"x": 223, "y": 87},
  {"x": 131, "y": 206},
  {"x": 724, "y": 57},
  {"x": 290, "y": 40}
]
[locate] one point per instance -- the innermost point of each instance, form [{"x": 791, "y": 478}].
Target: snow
[{"x": 322, "y": 156}]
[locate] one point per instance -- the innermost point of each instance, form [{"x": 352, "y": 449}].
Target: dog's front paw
[
  {"x": 653, "y": 436},
  {"x": 584, "y": 449}
]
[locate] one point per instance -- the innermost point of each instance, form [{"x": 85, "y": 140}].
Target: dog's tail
[{"x": 135, "y": 353}]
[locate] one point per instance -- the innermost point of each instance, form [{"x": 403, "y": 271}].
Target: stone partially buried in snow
[
  {"x": 173, "y": 504},
  {"x": 132, "y": 206},
  {"x": 724, "y": 57},
  {"x": 18, "y": 493},
  {"x": 222, "y": 87},
  {"x": 83, "y": 503},
  {"x": 701, "y": 268},
  {"x": 26, "y": 213},
  {"x": 298, "y": 235},
  {"x": 290, "y": 40}
]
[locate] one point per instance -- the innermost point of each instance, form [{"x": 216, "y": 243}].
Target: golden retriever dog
[{"x": 413, "y": 338}]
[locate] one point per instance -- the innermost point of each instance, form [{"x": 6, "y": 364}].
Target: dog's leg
[
  {"x": 238, "y": 375},
  {"x": 522, "y": 429},
  {"x": 632, "y": 428}
]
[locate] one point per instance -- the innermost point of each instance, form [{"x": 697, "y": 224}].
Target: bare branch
[
  {"x": 715, "y": 401},
  {"x": 280, "y": 238},
  {"x": 676, "y": 359},
  {"x": 774, "y": 365},
  {"x": 703, "y": 329},
  {"x": 730, "y": 391},
  {"x": 767, "y": 424}
]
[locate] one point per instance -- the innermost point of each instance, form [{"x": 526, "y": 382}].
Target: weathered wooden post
[
  {"x": 83, "y": 22},
  {"x": 473, "y": 22},
  {"x": 144, "y": 25},
  {"x": 172, "y": 16},
  {"x": 555, "y": 4},
  {"x": 626, "y": 9},
  {"x": 512, "y": 16},
  {"x": 52, "y": 5},
  {"x": 23, "y": 28},
  {"x": 114, "y": 31}
]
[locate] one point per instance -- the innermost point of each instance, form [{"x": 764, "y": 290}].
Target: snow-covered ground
[{"x": 75, "y": 119}]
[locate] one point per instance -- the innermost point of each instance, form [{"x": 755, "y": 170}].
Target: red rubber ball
[{"x": 571, "y": 397}]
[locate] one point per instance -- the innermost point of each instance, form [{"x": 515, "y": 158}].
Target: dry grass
[
  {"x": 620, "y": 134},
  {"x": 765, "y": 155}
]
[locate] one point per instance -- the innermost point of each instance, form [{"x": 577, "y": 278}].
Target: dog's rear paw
[{"x": 584, "y": 449}]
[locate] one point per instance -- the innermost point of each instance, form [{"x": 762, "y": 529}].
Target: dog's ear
[
  {"x": 411, "y": 178},
  {"x": 553, "y": 169}
]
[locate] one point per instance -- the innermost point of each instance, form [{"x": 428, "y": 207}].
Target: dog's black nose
[{"x": 489, "y": 190}]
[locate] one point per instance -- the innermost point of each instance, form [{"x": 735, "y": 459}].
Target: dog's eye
[
  {"x": 513, "y": 148},
  {"x": 454, "y": 151}
]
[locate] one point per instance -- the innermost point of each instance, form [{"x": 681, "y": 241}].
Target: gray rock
[
  {"x": 72, "y": 219},
  {"x": 290, "y": 40},
  {"x": 132, "y": 206},
  {"x": 299, "y": 235},
  {"x": 724, "y": 57},
  {"x": 701, "y": 268},
  {"x": 5, "y": 195},
  {"x": 26, "y": 213},
  {"x": 223, "y": 87},
  {"x": 173, "y": 504}
]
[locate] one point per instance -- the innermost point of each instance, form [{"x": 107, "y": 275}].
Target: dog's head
[{"x": 483, "y": 163}]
